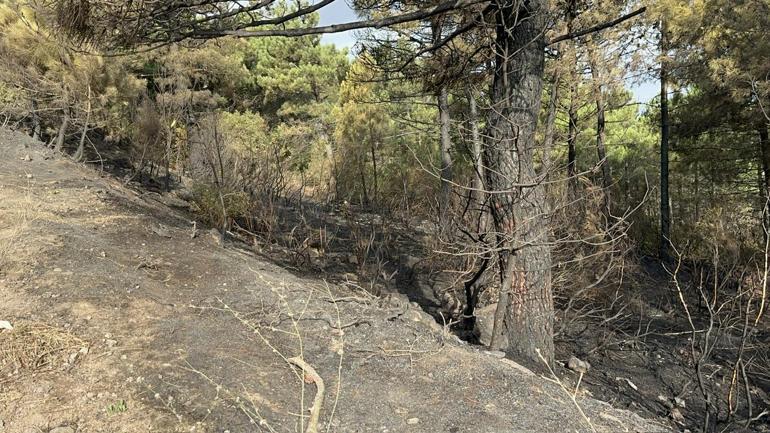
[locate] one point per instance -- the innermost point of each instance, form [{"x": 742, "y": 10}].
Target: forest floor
[{"x": 126, "y": 322}]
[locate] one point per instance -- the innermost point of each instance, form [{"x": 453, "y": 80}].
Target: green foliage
[
  {"x": 117, "y": 407},
  {"x": 376, "y": 123},
  {"x": 360, "y": 132},
  {"x": 208, "y": 204},
  {"x": 722, "y": 70},
  {"x": 295, "y": 78},
  {"x": 246, "y": 132},
  {"x": 293, "y": 114},
  {"x": 50, "y": 80},
  {"x": 259, "y": 160}
]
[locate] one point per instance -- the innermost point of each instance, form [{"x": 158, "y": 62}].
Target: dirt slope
[{"x": 126, "y": 323}]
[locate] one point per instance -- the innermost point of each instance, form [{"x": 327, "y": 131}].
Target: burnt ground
[{"x": 135, "y": 325}]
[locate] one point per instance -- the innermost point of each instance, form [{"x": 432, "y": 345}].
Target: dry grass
[
  {"x": 35, "y": 347},
  {"x": 14, "y": 222}
]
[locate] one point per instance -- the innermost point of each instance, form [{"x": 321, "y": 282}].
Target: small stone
[
  {"x": 57, "y": 269},
  {"x": 495, "y": 353},
  {"x": 676, "y": 415},
  {"x": 5, "y": 325},
  {"x": 161, "y": 231},
  {"x": 665, "y": 401},
  {"x": 216, "y": 236},
  {"x": 413, "y": 421},
  {"x": 29, "y": 176},
  {"x": 577, "y": 365},
  {"x": 111, "y": 343},
  {"x": 628, "y": 381},
  {"x": 43, "y": 389}
]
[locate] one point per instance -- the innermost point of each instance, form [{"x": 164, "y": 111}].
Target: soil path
[{"x": 158, "y": 331}]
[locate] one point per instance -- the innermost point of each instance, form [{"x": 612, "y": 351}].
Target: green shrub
[{"x": 207, "y": 203}]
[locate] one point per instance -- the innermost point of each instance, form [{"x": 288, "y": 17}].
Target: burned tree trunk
[
  {"x": 572, "y": 139},
  {"x": 764, "y": 154},
  {"x": 445, "y": 142},
  {"x": 475, "y": 285},
  {"x": 525, "y": 307},
  {"x": 36, "y": 128},
  {"x": 764, "y": 177},
  {"x": 78, "y": 156},
  {"x": 375, "y": 192},
  {"x": 601, "y": 149},
  {"x": 61, "y": 135},
  {"x": 665, "y": 210},
  {"x": 550, "y": 127},
  {"x": 446, "y": 145},
  {"x": 478, "y": 180},
  {"x": 572, "y": 112}
]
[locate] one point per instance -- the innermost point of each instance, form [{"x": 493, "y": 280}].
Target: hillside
[{"x": 125, "y": 322}]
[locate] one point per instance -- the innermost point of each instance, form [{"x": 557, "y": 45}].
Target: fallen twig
[{"x": 315, "y": 411}]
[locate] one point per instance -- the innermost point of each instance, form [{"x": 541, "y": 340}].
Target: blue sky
[
  {"x": 340, "y": 12},
  {"x": 335, "y": 13},
  {"x": 645, "y": 92}
]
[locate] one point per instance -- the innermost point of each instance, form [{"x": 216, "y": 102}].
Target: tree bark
[
  {"x": 61, "y": 135},
  {"x": 82, "y": 145},
  {"x": 601, "y": 151},
  {"x": 445, "y": 140},
  {"x": 332, "y": 181},
  {"x": 550, "y": 127},
  {"x": 665, "y": 211},
  {"x": 518, "y": 198},
  {"x": 362, "y": 173},
  {"x": 474, "y": 286},
  {"x": 572, "y": 135},
  {"x": 36, "y": 128},
  {"x": 375, "y": 192},
  {"x": 764, "y": 148},
  {"x": 167, "y": 162},
  {"x": 764, "y": 155},
  {"x": 478, "y": 180},
  {"x": 446, "y": 158},
  {"x": 697, "y": 192},
  {"x": 572, "y": 113}
]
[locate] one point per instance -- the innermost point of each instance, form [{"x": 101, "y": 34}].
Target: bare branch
[
  {"x": 597, "y": 28},
  {"x": 355, "y": 25}
]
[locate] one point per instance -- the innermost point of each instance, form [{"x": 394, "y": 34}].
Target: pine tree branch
[
  {"x": 337, "y": 28},
  {"x": 597, "y": 28}
]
